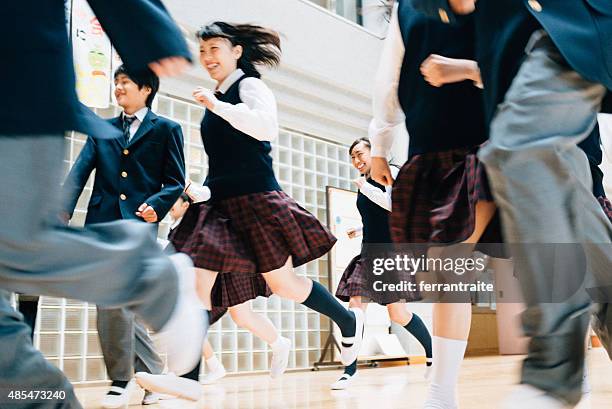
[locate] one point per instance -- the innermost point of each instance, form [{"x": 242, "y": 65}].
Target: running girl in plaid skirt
[
  {"x": 250, "y": 226},
  {"x": 231, "y": 292},
  {"x": 355, "y": 285},
  {"x": 427, "y": 81}
]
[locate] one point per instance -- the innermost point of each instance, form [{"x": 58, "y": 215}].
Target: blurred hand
[
  {"x": 438, "y": 70},
  {"x": 169, "y": 67},
  {"x": 147, "y": 213},
  {"x": 381, "y": 172},
  {"x": 352, "y": 233},
  {"x": 205, "y": 97},
  {"x": 360, "y": 181},
  {"x": 462, "y": 6}
]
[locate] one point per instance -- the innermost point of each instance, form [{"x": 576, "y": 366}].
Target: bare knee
[{"x": 399, "y": 314}]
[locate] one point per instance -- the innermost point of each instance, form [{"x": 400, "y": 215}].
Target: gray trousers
[
  {"x": 114, "y": 264},
  {"x": 126, "y": 345},
  {"x": 542, "y": 185}
]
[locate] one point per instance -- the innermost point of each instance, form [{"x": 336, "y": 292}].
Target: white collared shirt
[
  {"x": 257, "y": 115},
  {"x": 387, "y": 110},
  {"x": 383, "y": 199},
  {"x": 140, "y": 116}
]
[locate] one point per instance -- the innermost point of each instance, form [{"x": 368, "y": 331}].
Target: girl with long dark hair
[{"x": 250, "y": 226}]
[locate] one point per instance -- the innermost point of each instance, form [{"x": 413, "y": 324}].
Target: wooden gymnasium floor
[{"x": 484, "y": 381}]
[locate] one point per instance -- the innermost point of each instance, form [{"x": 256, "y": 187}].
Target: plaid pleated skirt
[
  {"x": 251, "y": 234},
  {"x": 357, "y": 280},
  {"x": 236, "y": 288},
  {"x": 434, "y": 198},
  {"x": 216, "y": 314},
  {"x": 353, "y": 282}
]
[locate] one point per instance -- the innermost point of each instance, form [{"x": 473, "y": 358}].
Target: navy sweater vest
[
  {"x": 444, "y": 118},
  {"x": 238, "y": 164},
  {"x": 374, "y": 218}
]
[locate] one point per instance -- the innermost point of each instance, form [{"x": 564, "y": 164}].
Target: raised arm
[
  {"x": 144, "y": 34},
  {"x": 383, "y": 199},
  {"x": 387, "y": 111}
]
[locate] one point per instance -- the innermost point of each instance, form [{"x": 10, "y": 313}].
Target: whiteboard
[{"x": 342, "y": 214}]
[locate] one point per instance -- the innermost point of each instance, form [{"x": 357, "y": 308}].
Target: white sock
[
  {"x": 213, "y": 364},
  {"x": 278, "y": 343},
  {"x": 448, "y": 356}
]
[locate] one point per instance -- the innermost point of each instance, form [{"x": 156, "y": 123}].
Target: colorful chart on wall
[{"x": 92, "y": 56}]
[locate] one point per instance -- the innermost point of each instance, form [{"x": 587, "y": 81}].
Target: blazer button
[
  {"x": 124, "y": 174},
  {"x": 443, "y": 16},
  {"x": 126, "y": 152},
  {"x": 122, "y": 196},
  {"x": 535, "y": 5}
]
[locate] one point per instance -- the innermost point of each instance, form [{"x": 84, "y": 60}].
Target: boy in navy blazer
[
  {"x": 138, "y": 176},
  {"x": 546, "y": 67}
]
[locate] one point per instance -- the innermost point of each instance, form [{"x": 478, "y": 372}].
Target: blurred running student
[
  {"x": 546, "y": 69},
  {"x": 129, "y": 183},
  {"x": 427, "y": 80},
  {"x": 114, "y": 264}
]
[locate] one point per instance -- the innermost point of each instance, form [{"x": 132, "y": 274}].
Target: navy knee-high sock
[
  {"x": 323, "y": 302},
  {"x": 420, "y": 332},
  {"x": 351, "y": 369}
]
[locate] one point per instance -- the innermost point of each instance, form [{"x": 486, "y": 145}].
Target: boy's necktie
[{"x": 127, "y": 123}]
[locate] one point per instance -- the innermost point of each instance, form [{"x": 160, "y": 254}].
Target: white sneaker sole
[
  {"x": 343, "y": 383},
  {"x": 170, "y": 385}
]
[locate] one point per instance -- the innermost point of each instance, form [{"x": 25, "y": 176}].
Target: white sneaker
[
  {"x": 182, "y": 336},
  {"x": 344, "y": 382},
  {"x": 348, "y": 354},
  {"x": 122, "y": 399},
  {"x": 170, "y": 384},
  {"x": 150, "y": 398},
  {"x": 280, "y": 358},
  {"x": 529, "y": 397},
  {"x": 213, "y": 376}
]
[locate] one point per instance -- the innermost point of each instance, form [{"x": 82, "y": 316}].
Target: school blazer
[
  {"x": 37, "y": 74},
  {"x": 149, "y": 169},
  {"x": 581, "y": 30}
]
